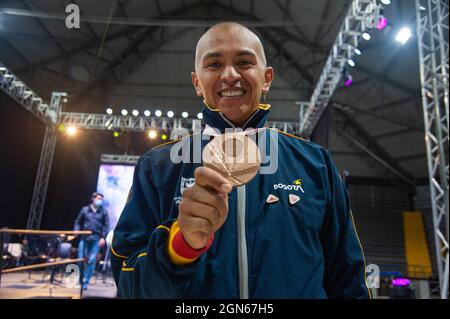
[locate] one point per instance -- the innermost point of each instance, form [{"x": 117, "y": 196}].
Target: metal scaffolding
[
  {"x": 44, "y": 168},
  {"x": 432, "y": 36},
  {"x": 15, "y": 88},
  {"x": 92, "y": 121},
  {"x": 355, "y": 23},
  {"x": 119, "y": 159}
]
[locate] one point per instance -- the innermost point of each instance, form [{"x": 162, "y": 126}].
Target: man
[
  {"x": 289, "y": 234},
  {"x": 95, "y": 218}
]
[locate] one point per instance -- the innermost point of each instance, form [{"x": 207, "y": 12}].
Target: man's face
[{"x": 231, "y": 73}]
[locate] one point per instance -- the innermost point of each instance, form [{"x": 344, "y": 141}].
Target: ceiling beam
[{"x": 358, "y": 136}]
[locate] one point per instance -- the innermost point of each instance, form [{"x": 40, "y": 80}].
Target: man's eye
[
  {"x": 244, "y": 62},
  {"x": 213, "y": 65}
]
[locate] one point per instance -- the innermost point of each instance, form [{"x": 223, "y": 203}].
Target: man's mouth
[{"x": 231, "y": 93}]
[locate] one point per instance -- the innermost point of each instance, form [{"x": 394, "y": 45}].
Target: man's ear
[
  {"x": 194, "y": 78},
  {"x": 268, "y": 78}
]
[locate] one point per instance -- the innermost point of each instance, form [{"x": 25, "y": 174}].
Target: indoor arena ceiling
[{"x": 138, "y": 54}]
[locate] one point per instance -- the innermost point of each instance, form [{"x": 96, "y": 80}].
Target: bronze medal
[{"x": 234, "y": 155}]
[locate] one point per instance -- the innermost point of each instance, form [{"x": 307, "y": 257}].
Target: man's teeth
[{"x": 231, "y": 93}]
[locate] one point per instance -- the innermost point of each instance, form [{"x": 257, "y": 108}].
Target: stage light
[
  {"x": 124, "y": 112},
  {"x": 184, "y": 114},
  {"x": 135, "y": 112},
  {"x": 158, "y": 113},
  {"x": 164, "y": 137},
  {"x": 152, "y": 134},
  {"x": 61, "y": 127},
  {"x": 116, "y": 134},
  {"x": 401, "y": 282},
  {"x": 200, "y": 116},
  {"x": 65, "y": 100},
  {"x": 357, "y": 51},
  {"x": 403, "y": 35},
  {"x": 170, "y": 114},
  {"x": 71, "y": 130},
  {"x": 348, "y": 80},
  {"x": 147, "y": 113},
  {"x": 109, "y": 111},
  {"x": 386, "y": 2},
  {"x": 366, "y": 36},
  {"x": 382, "y": 23},
  {"x": 351, "y": 62}
]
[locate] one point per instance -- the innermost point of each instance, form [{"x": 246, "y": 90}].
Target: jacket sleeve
[
  {"x": 344, "y": 259},
  {"x": 140, "y": 260},
  {"x": 79, "y": 221}
]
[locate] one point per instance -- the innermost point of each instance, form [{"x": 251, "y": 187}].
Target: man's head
[
  {"x": 97, "y": 199},
  {"x": 230, "y": 70}
]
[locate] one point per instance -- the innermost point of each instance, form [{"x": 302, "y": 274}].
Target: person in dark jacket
[
  {"x": 95, "y": 218},
  {"x": 185, "y": 232}
]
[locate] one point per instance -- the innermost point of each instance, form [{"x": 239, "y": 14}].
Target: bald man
[{"x": 185, "y": 232}]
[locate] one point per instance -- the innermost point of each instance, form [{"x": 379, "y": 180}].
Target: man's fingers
[
  {"x": 190, "y": 208},
  {"x": 208, "y": 197},
  {"x": 207, "y": 177},
  {"x": 192, "y": 224}
]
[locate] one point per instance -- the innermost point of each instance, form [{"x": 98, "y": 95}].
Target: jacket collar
[{"x": 215, "y": 119}]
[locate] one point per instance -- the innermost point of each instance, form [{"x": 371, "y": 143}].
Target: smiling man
[
  {"x": 230, "y": 71},
  {"x": 185, "y": 232}
]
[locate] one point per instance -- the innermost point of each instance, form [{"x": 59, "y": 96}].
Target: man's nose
[{"x": 230, "y": 75}]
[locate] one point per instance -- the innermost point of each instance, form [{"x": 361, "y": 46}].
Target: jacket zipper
[{"x": 242, "y": 243}]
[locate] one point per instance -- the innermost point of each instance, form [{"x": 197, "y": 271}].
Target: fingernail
[{"x": 226, "y": 187}]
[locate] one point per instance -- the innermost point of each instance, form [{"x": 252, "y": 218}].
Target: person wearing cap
[{"x": 185, "y": 232}]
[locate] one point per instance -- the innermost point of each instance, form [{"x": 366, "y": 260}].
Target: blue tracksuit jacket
[{"x": 263, "y": 250}]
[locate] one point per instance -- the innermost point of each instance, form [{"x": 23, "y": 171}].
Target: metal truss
[
  {"x": 119, "y": 159},
  {"x": 355, "y": 23},
  {"x": 91, "y": 121},
  {"x": 432, "y": 36},
  {"x": 15, "y": 88},
  {"x": 44, "y": 168}
]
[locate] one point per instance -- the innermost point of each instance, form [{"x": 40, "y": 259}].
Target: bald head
[{"x": 225, "y": 32}]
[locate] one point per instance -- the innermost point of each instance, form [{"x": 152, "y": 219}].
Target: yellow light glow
[
  {"x": 152, "y": 134},
  {"x": 71, "y": 130}
]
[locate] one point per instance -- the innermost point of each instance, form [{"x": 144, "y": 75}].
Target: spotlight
[
  {"x": 135, "y": 112},
  {"x": 184, "y": 114},
  {"x": 71, "y": 130},
  {"x": 351, "y": 63},
  {"x": 124, "y": 112},
  {"x": 65, "y": 100},
  {"x": 382, "y": 23},
  {"x": 158, "y": 113},
  {"x": 386, "y": 2},
  {"x": 403, "y": 35},
  {"x": 348, "y": 80},
  {"x": 116, "y": 134},
  {"x": 170, "y": 114},
  {"x": 147, "y": 113},
  {"x": 366, "y": 36},
  {"x": 109, "y": 111},
  {"x": 200, "y": 116},
  {"x": 357, "y": 51},
  {"x": 152, "y": 134},
  {"x": 164, "y": 137},
  {"x": 61, "y": 127}
]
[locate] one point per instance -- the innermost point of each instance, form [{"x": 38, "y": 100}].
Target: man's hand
[{"x": 204, "y": 207}]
